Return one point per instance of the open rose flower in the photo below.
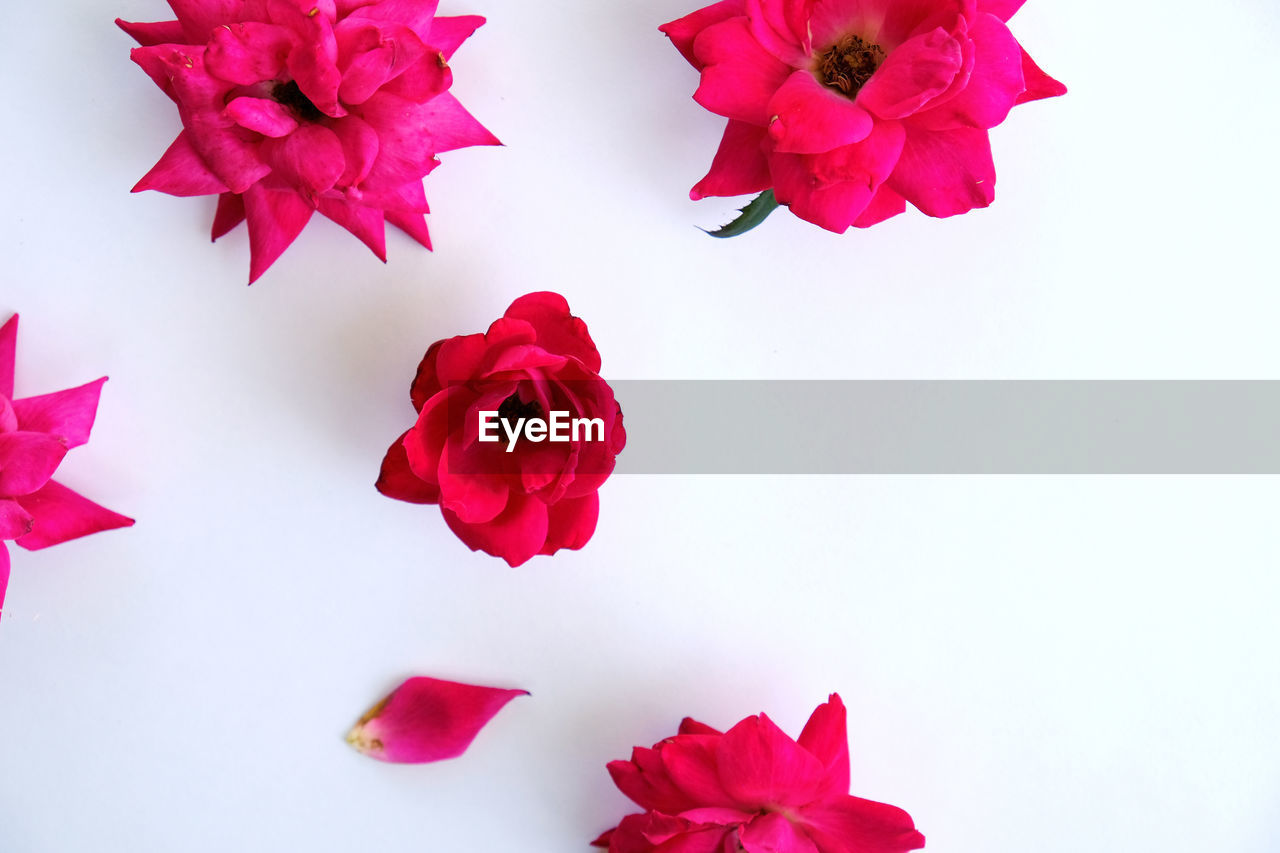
(845, 110)
(524, 493)
(753, 789)
(35, 435)
(290, 107)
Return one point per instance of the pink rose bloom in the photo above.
(848, 109)
(290, 107)
(753, 789)
(35, 434)
(533, 496)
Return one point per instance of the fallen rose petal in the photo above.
(427, 719)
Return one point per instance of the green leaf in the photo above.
(749, 217)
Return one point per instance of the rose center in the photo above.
(289, 95)
(513, 409)
(848, 64)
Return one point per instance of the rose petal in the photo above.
(690, 726)
(945, 174)
(199, 17)
(853, 825)
(417, 15)
(411, 134)
(262, 115)
(14, 520)
(426, 719)
(684, 31)
(740, 165)
(739, 77)
(413, 224)
(571, 523)
(8, 349)
(826, 738)
(181, 172)
(366, 223)
(692, 766)
(4, 574)
(1002, 9)
(913, 74)
(885, 204)
(276, 218)
(61, 515)
(68, 414)
(516, 535)
(994, 85)
(760, 766)
(229, 214)
(249, 52)
(773, 833)
(448, 34)
(1039, 85)
(28, 460)
(310, 159)
(645, 780)
(397, 480)
(558, 331)
(160, 32)
(8, 418)
(809, 118)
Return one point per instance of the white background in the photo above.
(1030, 664)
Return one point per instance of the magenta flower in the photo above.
(752, 789)
(35, 434)
(845, 110)
(290, 107)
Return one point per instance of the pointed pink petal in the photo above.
(558, 331)
(276, 218)
(1039, 85)
(945, 174)
(690, 763)
(28, 460)
(359, 148)
(229, 214)
(739, 167)
(1002, 9)
(739, 77)
(314, 67)
(690, 726)
(826, 738)
(994, 85)
(516, 535)
(773, 833)
(199, 17)
(8, 418)
(853, 825)
(249, 53)
(684, 31)
(415, 14)
(571, 522)
(262, 115)
(14, 520)
(4, 574)
(885, 204)
(61, 515)
(448, 34)
(426, 719)
(151, 62)
(8, 350)
(68, 414)
(397, 480)
(425, 79)
(809, 118)
(411, 134)
(181, 172)
(914, 74)
(413, 224)
(644, 779)
(366, 223)
(759, 765)
(161, 32)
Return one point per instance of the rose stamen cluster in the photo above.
(848, 64)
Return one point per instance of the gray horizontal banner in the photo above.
(950, 427)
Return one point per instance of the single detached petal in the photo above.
(740, 165)
(761, 766)
(739, 77)
(826, 738)
(160, 32)
(773, 833)
(809, 118)
(276, 218)
(28, 460)
(426, 719)
(448, 34)
(945, 174)
(397, 480)
(8, 349)
(854, 825)
(181, 172)
(61, 515)
(684, 31)
(14, 520)
(68, 414)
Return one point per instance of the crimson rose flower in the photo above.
(290, 107)
(35, 435)
(753, 789)
(512, 498)
(847, 109)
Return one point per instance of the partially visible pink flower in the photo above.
(849, 109)
(35, 434)
(427, 719)
(292, 107)
(753, 789)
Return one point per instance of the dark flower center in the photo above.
(848, 64)
(291, 96)
(512, 410)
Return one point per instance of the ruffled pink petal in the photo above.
(448, 34)
(68, 414)
(422, 81)
(14, 520)
(761, 766)
(644, 779)
(773, 833)
(426, 719)
(914, 74)
(371, 54)
(262, 115)
(994, 85)
(310, 159)
(28, 460)
(181, 172)
(1002, 9)
(809, 118)
(853, 825)
(684, 31)
(417, 15)
(8, 349)
(885, 204)
(411, 134)
(397, 480)
(366, 223)
(248, 53)
(62, 515)
(740, 165)
(826, 738)
(199, 17)
(229, 214)
(691, 764)
(313, 65)
(160, 32)
(558, 331)
(739, 77)
(571, 522)
(783, 28)
(276, 218)
(945, 174)
(1039, 85)
(516, 535)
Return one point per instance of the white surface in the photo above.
(1030, 664)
